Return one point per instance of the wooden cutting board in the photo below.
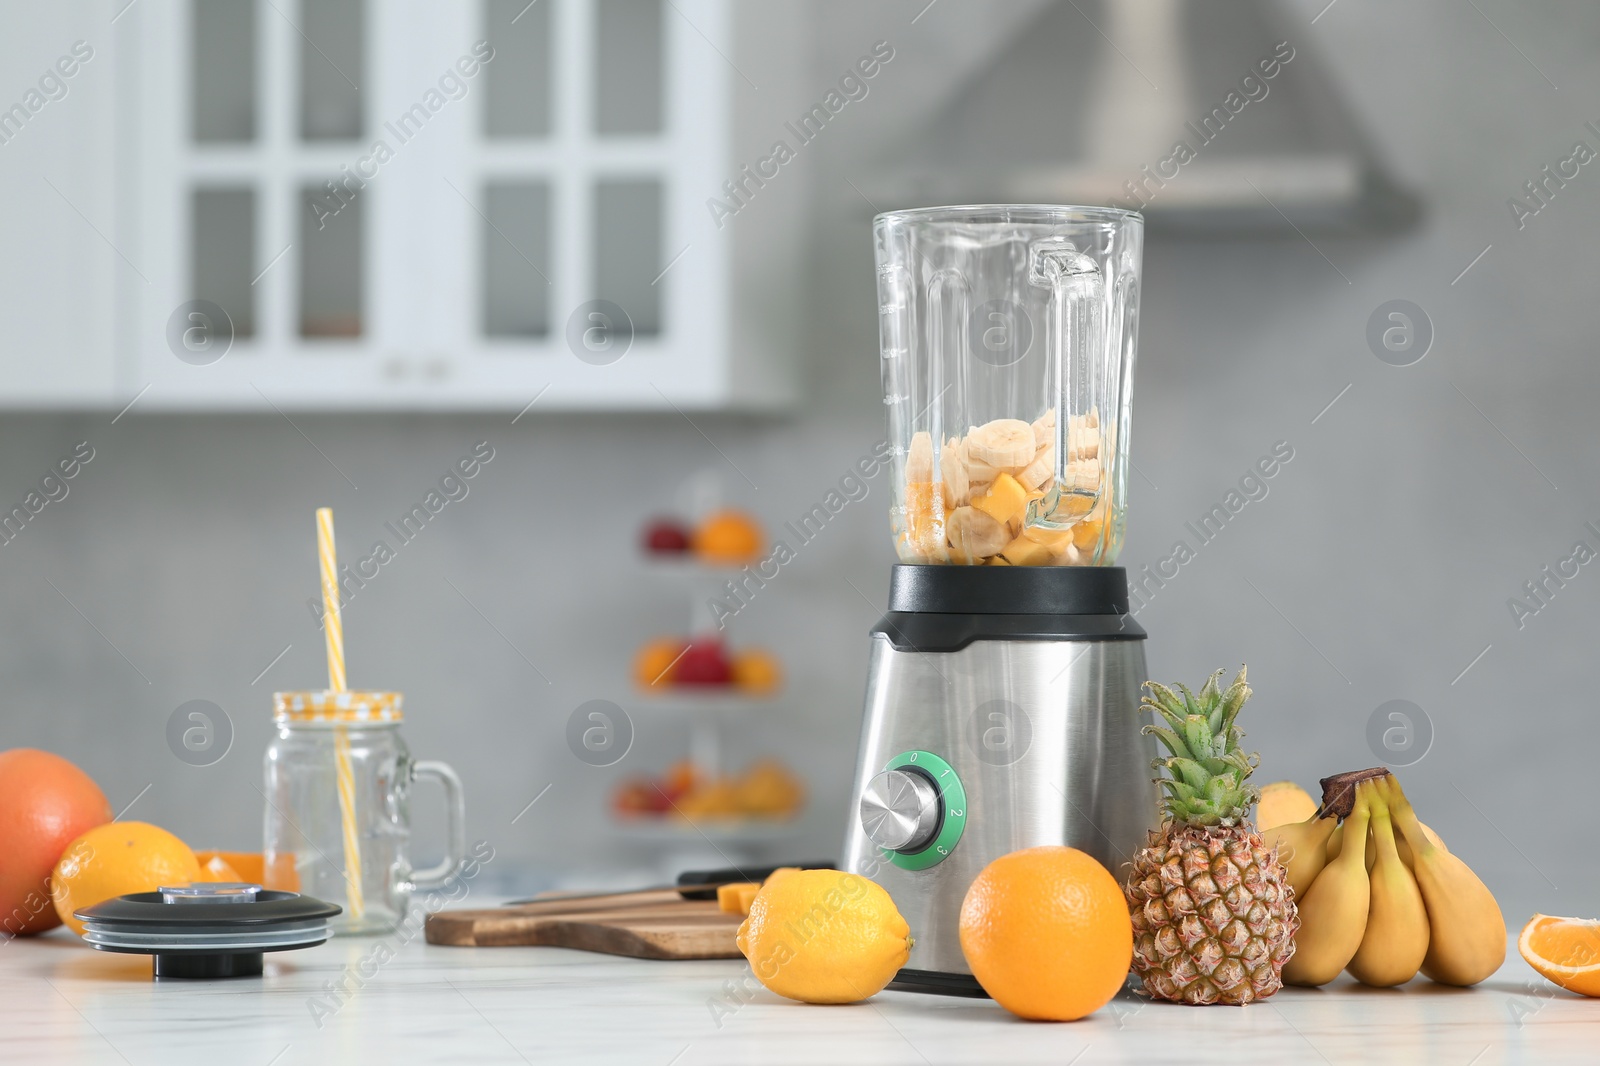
(657, 924)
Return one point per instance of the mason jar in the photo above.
(338, 807)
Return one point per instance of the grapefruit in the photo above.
(45, 803)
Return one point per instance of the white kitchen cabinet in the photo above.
(496, 167)
(58, 231)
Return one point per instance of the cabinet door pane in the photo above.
(516, 260)
(331, 69)
(223, 254)
(628, 67)
(331, 261)
(518, 103)
(627, 249)
(223, 68)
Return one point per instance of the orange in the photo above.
(757, 672)
(217, 868)
(1565, 950)
(279, 872)
(681, 778)
(728, 537)
(247, 864)
(45, 802)
(1047, 934)
(115, 859)
(655, 663)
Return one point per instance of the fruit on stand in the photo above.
(1282, 802)
(654, 664)
(727, 537)
(1564, 950)
(644, 795)
(1396, 937)
(669, 662)
(704, 663)
(1333, 912)
(666, 536)
(45, 803)
(1046, 933)
(766, 790)
(824, 936)
(1213, 915)
(115, 859)
(1467, 933)
(756, 672)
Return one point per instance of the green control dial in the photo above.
(953, 813)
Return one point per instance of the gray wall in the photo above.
(1377, 568)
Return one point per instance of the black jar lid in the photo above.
(141, 909)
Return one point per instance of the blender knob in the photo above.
(900, 810)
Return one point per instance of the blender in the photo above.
(1003, 685)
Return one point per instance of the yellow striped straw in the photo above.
(334, 629)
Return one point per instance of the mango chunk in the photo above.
(1086, 534)
(735, 899)
(1005, 502)
(1054, 539)
(1024, 551)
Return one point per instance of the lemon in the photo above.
(824, 936)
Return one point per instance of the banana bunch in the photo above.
(1380, 896)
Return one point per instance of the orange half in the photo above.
(1564, 950)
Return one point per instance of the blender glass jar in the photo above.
(1008, 335)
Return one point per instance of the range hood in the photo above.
(1210, 116)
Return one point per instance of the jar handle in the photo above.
(436, 877)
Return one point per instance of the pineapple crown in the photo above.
(1206, 769)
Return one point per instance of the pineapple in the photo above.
(1213, 915)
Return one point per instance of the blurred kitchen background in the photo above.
(184, 159)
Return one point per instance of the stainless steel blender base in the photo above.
(1044, 739)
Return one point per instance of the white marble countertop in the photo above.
(64, 1003)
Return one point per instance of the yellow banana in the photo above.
(1396, 938)
(1333, 914)
(1302, 849)
(1336, 845)
(1467, 931)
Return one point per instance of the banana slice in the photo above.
(953, 469)
(1005, 443)
(974, 535)
(1084, 475)
(1044, 429)
(1085, 431)
(980, 475)
(1042, 469)
(919, 457)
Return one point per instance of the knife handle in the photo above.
(690, 878)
